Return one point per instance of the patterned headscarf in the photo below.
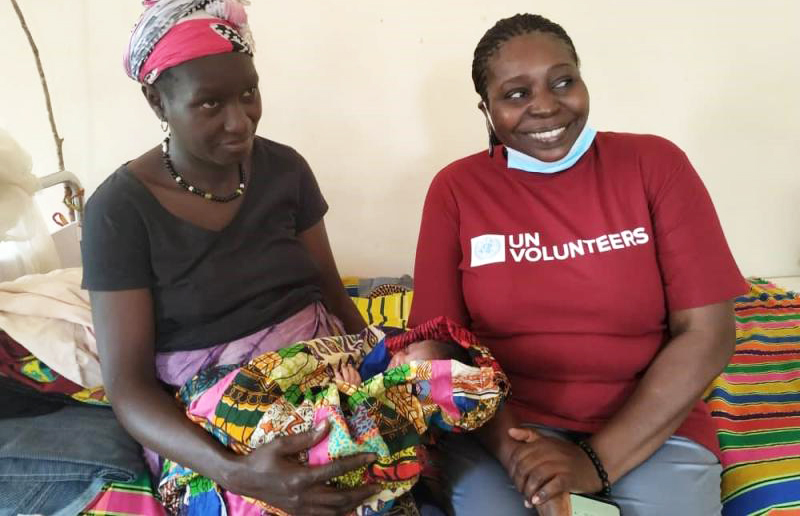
(171, 32)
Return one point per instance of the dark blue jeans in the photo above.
(55, 464)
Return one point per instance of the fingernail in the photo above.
(535, 500)
(528, 505)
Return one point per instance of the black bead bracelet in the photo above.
(601, 472)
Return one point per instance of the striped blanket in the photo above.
(756, 406)
(135, 498)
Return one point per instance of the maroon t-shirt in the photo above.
(569, 277)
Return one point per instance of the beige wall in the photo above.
(377, 95)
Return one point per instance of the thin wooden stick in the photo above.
(68, 194)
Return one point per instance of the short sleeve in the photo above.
(312, 206)
(437, 277)
(696, 263)
(115, 246)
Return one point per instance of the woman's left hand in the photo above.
(542, 467)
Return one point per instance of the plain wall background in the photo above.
(377, 95)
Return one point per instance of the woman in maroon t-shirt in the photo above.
(573, 255)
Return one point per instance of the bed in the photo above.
(755, 402)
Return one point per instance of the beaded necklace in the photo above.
(193, 189)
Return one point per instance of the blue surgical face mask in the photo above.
(522, 161)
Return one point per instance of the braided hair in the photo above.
(503, 31)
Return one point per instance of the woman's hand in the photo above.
(273, 474)
(543, 467)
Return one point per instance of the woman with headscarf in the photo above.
(208, 249)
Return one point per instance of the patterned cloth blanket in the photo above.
(755, 403)
(288, 391)
(136, 497)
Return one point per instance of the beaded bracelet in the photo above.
(601, 472)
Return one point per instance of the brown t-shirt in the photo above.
(209, 287)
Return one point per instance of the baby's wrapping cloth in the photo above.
(288, 391)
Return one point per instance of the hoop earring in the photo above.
(164, 126)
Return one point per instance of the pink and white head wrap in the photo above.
(171, 32)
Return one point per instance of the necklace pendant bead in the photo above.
(191, 189)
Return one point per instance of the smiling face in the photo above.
(213, 107)
(536, 98)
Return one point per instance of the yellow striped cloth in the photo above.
(388, 311)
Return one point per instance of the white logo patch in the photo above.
(488, 249)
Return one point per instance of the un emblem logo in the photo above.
(488, 249)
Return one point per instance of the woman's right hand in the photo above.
(273, 474)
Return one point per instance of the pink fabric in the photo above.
(761, 454)
(787, 376)
(206, 405)
(226, 20)
(442, 387)
(763, 324)
(318, 454)
(188, 40)
(176, 367)
(114, 500)
(237, 505)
